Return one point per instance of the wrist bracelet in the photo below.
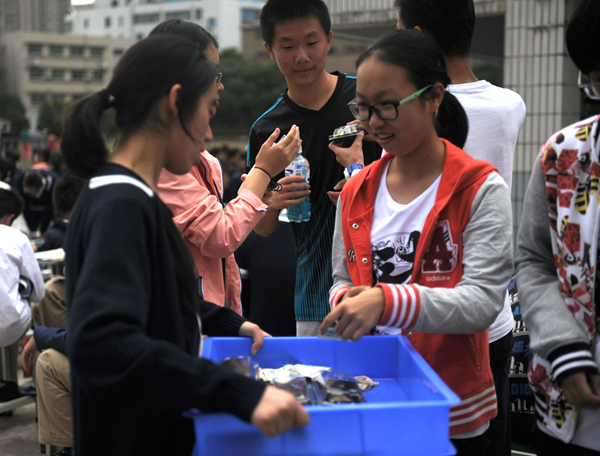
(264, 171)
(273, 186)
(352, 169)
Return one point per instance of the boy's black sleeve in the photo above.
(252, 149)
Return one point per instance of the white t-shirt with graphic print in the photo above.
(395, 232)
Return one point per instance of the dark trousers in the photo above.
(499, 431)
(476, 446)
(548, 446)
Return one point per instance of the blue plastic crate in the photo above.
(407, 414)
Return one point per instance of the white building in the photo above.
(36, 66)
(131, 19)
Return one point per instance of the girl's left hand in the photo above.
(251, 330)
(356, 315)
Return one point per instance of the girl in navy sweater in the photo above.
(134, 314)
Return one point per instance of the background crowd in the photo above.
(410, 233)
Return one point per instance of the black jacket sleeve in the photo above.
(55, 338)
(220, 321)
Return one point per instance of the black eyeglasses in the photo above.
(219, 77)
(590, 85)
(386, 110)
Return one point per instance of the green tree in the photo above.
(251, 87)
(51, 115)
(12, 109)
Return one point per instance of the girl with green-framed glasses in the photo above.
(422, 243)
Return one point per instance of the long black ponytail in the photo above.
(422, 59)
(145, 73)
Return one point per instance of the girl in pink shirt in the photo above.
(211, 230)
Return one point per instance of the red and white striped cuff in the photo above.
(402, 305)
(337, 296)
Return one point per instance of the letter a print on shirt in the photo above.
(442, 254)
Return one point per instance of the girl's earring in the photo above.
(435, 113)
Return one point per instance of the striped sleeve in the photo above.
(336, 296)
(571, 359)
(402, 305)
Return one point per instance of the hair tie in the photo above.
(273, 186)
(107, 99)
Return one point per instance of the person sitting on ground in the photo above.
(53, 386)
(65, 193)
(20, 278)
(35, 187)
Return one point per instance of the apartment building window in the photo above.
(184, 15)
(114, 3)
(146, 18)
(77, 75)
(37, 98)
(212, 22)
(98, 75)
(86, 23)
(56, 51)
(76, 51)
(97, 52)
(59, 96)
(199, 14)
(58, 74)
(35, 49)
(118, 51)
(36, 74)
(250, 15)
(139, 36)
(107, 22)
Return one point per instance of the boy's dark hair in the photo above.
(10, 202)
(449, 22)
(583, 36)
(56, 162)
(277, 11)
(65, 193)
(144, 75)
(33, 179)
(423, 62)
(188, 30)
(43, 153)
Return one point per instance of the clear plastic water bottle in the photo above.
(299, 167)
